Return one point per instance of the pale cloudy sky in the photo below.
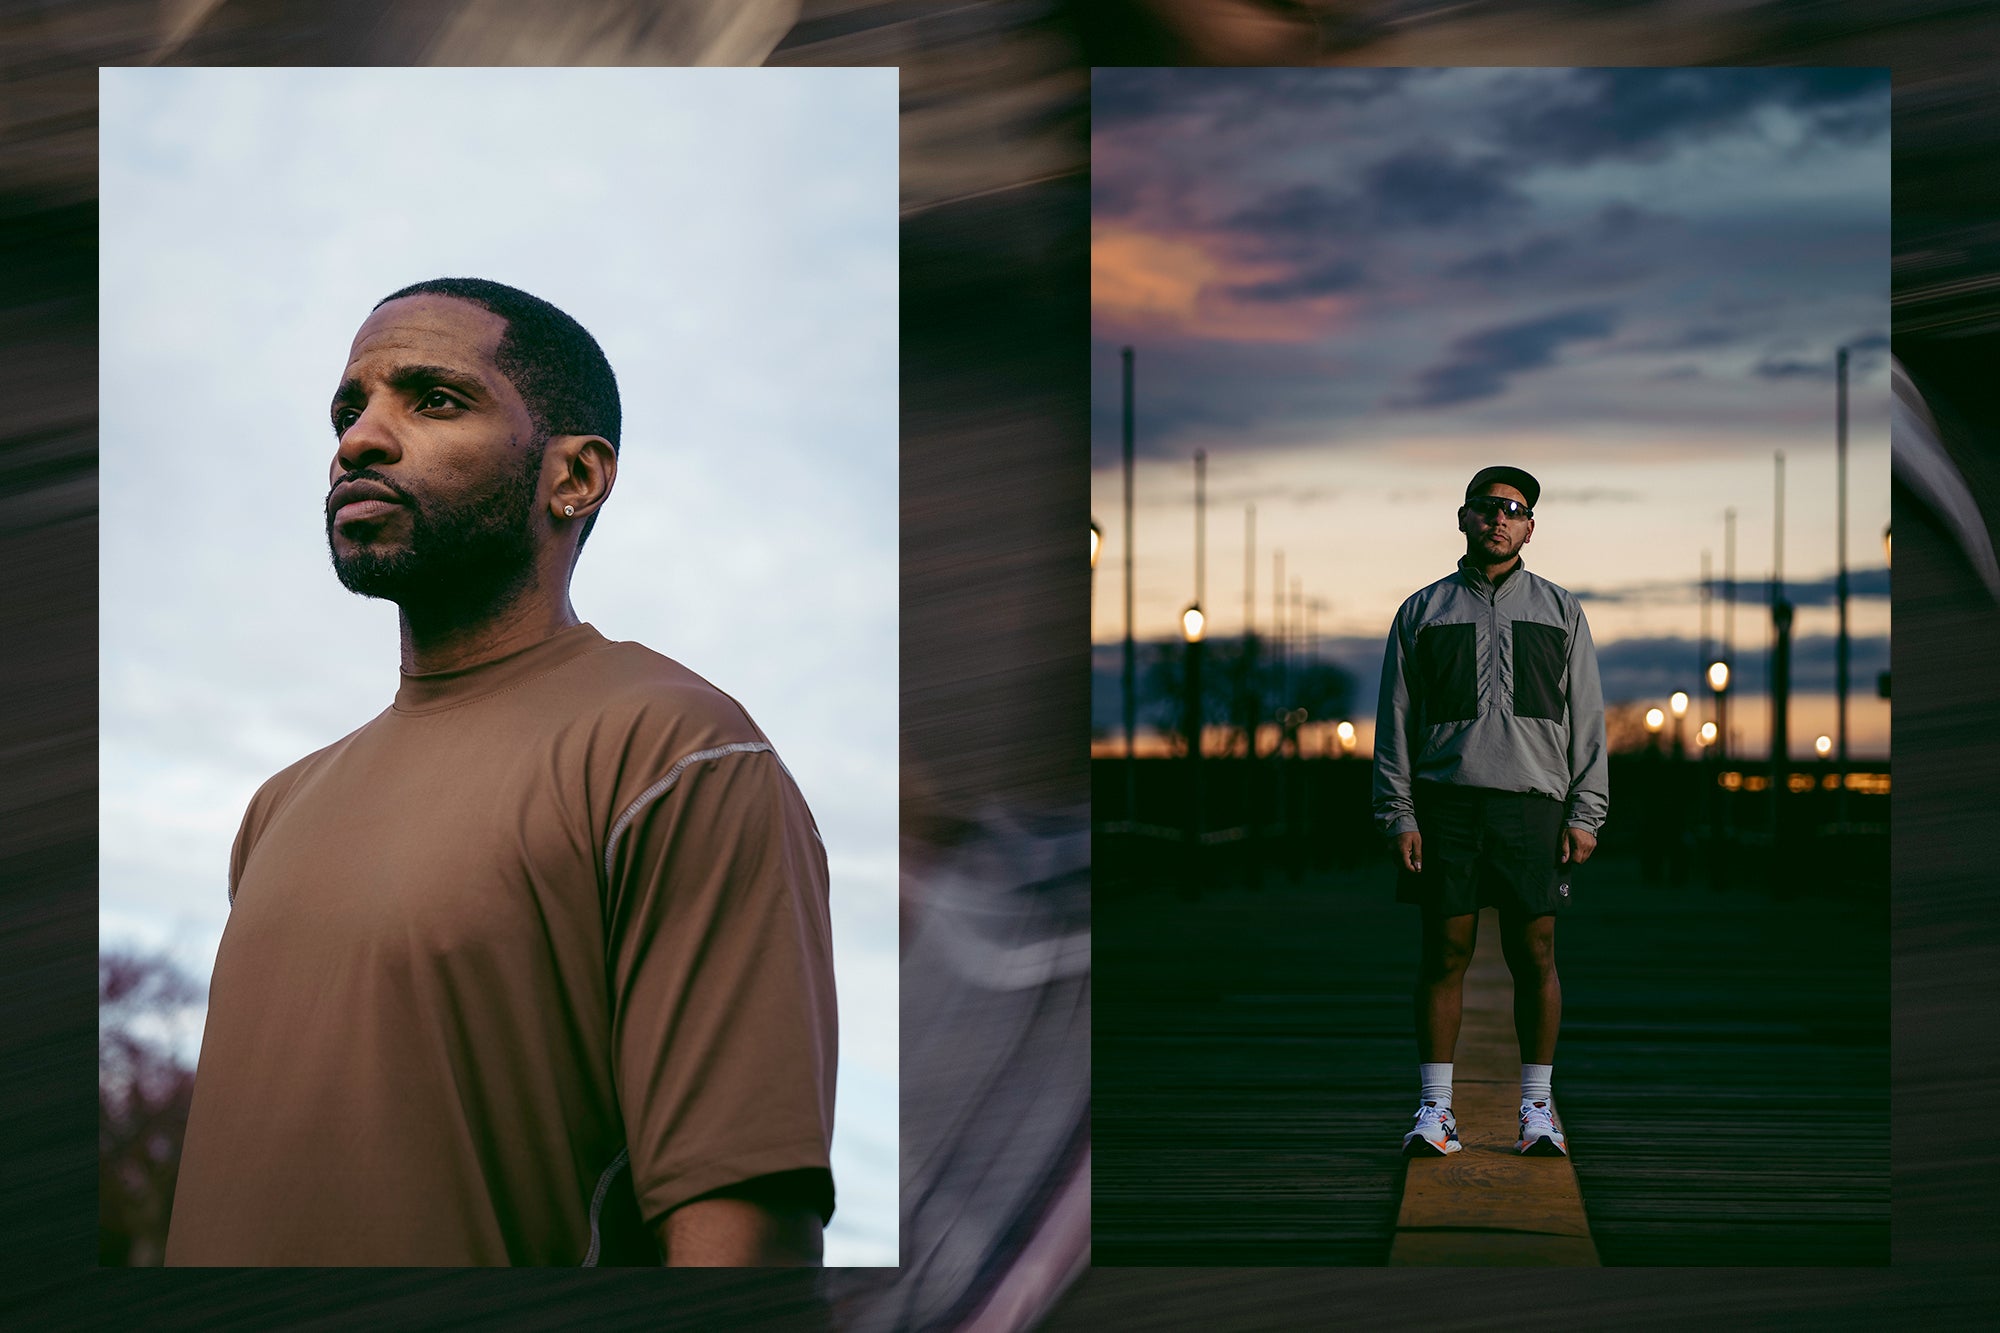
(1355, 287)
(730, 238)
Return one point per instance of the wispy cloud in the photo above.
(1481, 364)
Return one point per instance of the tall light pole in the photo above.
(1781, 654)
(1707, 596)
(1298, 620)
(1131, 693)
(1728, 605)
(1201, 527)
(1678, 706)
(1246, 694)
(1194, 620)
(1718, 681)
(1722, 821)
(1840, 586)
(1281, 661)
(1278, 622)
(1193, 626)
(1249, 571)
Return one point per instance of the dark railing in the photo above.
(1688, 822)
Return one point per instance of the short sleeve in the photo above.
(239, 851)
(721, 973)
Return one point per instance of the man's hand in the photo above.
(1577, 846)
(1409, 851)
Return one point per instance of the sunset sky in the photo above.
(1353, 288)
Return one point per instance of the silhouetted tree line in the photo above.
(1242, 687)
(143, 1092)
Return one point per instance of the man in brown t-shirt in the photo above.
(535, 967)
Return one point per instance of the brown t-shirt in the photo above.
(533, 958)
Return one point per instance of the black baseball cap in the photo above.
(1530, 489)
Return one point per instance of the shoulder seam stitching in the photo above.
(660, 788)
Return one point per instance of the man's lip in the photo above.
(364, 511)
(362, 499)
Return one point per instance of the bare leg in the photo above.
(1440, 991)
(1529, 944)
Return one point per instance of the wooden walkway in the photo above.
(1485, 1204)
(1722, 1073)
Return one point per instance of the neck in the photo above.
(1494, 570)
(449, 634)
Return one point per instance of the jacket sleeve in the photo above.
(1589, 771)
(1395, 810)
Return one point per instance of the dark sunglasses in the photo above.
(1492, 506)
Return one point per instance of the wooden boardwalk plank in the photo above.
(1486, 1204)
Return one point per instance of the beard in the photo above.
(463, 556)
(1485, 550)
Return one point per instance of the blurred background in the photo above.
(995, 488)
(729, 239)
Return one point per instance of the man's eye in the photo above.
(435, 399)
(344, 418)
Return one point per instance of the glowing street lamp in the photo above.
(1096, 546)
(1823, 745)
(1346, 733)
(1192, 623)
(1707, 734)
(1718, 680)
(1678, 705)
(1655, 719)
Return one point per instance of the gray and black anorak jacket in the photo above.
(1491, 687)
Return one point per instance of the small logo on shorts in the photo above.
(1563, 888)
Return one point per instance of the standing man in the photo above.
(1490, 782)
(535, 967)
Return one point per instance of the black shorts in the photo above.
(1486, 848)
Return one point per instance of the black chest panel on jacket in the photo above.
(1540, 652)
(1447, 676)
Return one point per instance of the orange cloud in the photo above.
(1185, 285)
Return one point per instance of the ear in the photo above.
(584, 469)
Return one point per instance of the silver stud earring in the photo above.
(569, 511)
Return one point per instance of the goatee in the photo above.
(470, 554)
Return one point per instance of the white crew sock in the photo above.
(1535, 1083)
(1436, 1081)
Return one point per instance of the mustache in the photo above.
(366, 474)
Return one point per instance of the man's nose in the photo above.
(369, 440)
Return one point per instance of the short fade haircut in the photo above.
(552, 361)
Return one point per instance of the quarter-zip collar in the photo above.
(1476, 579)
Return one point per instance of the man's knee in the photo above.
(1531, 948)
(1445, 955)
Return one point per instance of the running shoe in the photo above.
(1541, 1136)
(1435, 1135)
